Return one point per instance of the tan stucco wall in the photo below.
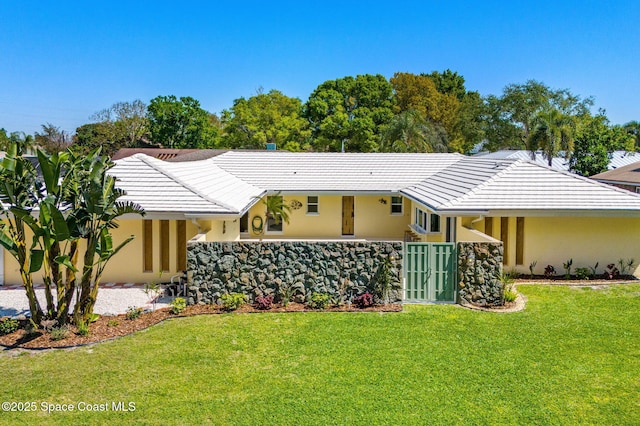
(372, 219)
(127, 265)
(586, 240)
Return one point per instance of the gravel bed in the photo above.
(111, 301)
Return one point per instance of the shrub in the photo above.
(264, 303)
(364, 300)
(318, 301)
(83, 328)
(59, 333)
(583, 273)
(8, 325)
(133, 313)
(611, 272)
(594, 270)
(626, 266)
(178, 305)
(113, 323)
(532, 266)
(232, 301)
(549, 271)
(567, 268)
(510, 294)
(384, 282)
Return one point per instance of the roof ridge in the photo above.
(150, 162)
(476, 188)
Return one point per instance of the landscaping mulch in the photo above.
(111, 327)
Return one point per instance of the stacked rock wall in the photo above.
(342, 269)
(479, 268)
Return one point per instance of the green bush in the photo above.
(583, 273)
(59, 333)
(83, 328)
(113, 323)
(178, 305)
(233, 301)
(133, 313)
(510, 294)
(8, 325)
(319, 301)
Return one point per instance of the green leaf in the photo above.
(37, 257)
(66, 261)
(7, 242)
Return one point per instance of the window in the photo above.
(244, 223)
(427, 222)
(312, 205)
(396, 205)
(274, 224)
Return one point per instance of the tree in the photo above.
(266, 118)
(52, 139)
(180, 123)
(349, 113)
(94, 135)
(409, 132)
(552, 132)
(633, 129)
(592, 147)
(77, 205)
(21, 138)
(509, 118)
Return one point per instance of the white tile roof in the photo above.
(229, 183)
(618, 158)
(195, 187)
(332, 172)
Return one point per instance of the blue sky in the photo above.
(63, 61)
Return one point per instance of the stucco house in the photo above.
(540, 214)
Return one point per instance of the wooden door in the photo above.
(347, 215)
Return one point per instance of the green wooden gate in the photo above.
(430, 272)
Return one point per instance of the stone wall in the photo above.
(479, 268)
(342, 269)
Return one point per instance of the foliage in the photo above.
(233, 301)
(77, 205)
(383, 282)
(8, 325)
(113, 323)
(264, 302)
(510, 120)
(133, 313)
(552, 132)
(59, 332)
(287, 290)
(83, 328)
(52, 139)
(180, 123)
(276, 208)
(123, 125)
(266, 118)
(567, 268)
(632, 128)
(509, 294)
(349, 113)
(594, 269)
(626, 266)
(319, 301)
(611, 272)
(153, 292)
(549, 271)
(410, 132)
(532, 266)
(19, 138)
(178, 305)
(365, 300)
(583, 273)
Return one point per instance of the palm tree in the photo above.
(276, 208)
(552, 132)
(410, 132)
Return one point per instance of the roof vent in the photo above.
(271, 147)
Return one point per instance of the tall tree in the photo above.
(552, 132)
(52, 139)
(509, 118)
(266, 118)
(180, 123)
(633, 128)
(21, 138)
(593, 145)
(350, 113)
(409, 132)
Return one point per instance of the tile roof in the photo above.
(332, 172)
(228, 183)
(618, 158)
(190, 188)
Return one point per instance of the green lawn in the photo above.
(572, 357)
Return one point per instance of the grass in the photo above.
(572, 357)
